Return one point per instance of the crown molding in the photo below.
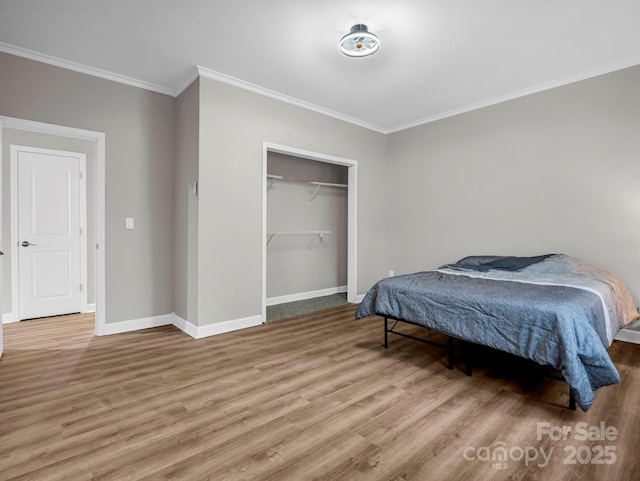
(213, 75)
(94, 72)
(194, 74)
(519, 93)
(175, 92)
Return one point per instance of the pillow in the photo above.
(504, 263)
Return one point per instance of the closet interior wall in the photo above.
(306, 228)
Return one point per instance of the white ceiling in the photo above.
(438, 57)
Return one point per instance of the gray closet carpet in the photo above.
(289, 310)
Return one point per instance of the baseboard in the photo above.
(89, 308)
(228, 326)
(359, 298)
(198, 332)
(628, 335)
(137, 324)
(9, 317)
(303, 296)
(185, 326)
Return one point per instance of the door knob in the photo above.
(27, 244)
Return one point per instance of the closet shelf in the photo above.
(319, 233)
(324, 184)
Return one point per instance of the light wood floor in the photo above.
(310, 398)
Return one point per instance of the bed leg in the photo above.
(386, 335)
(469, 359)
(572, 400)
(450, 349)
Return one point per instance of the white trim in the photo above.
(84, 279)
(352, 234)
(44, 128)
(85, 69)
(628, 335)
(89, 308)
(100, 233)
(13, 235)
(175, 92)
(303, 296)
(352, 214)
(227, 326)
(185, 326)
(14, 149)
(359, 298)
(198, 332)
(137, 324)
(100, 201)
(265, 189)
(213, 75)
(195, 73)
(515, 95)
(9, 317)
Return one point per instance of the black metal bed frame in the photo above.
(450, 350)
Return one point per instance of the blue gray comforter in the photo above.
(539, 312)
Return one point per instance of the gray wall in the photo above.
(557, 171)
(35, 139)
(298, 264)
(186, 204)
(139, 129)
(552, 172)
(234, 123)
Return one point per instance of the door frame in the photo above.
(14, 249)
(352, 214)
(98, 139)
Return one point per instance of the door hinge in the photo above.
(80, 287)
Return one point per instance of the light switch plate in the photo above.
(129, 223)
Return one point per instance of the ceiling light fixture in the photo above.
(359, 42)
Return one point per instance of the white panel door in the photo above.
(48, 233)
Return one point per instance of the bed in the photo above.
(553, 309)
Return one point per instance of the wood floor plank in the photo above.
(317, 397)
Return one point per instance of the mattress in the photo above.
(555, 310)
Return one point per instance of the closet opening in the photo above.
(309, 220)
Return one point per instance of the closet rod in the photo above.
(320, 233)
(323, 184)
(329, 184)
(272, 179)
